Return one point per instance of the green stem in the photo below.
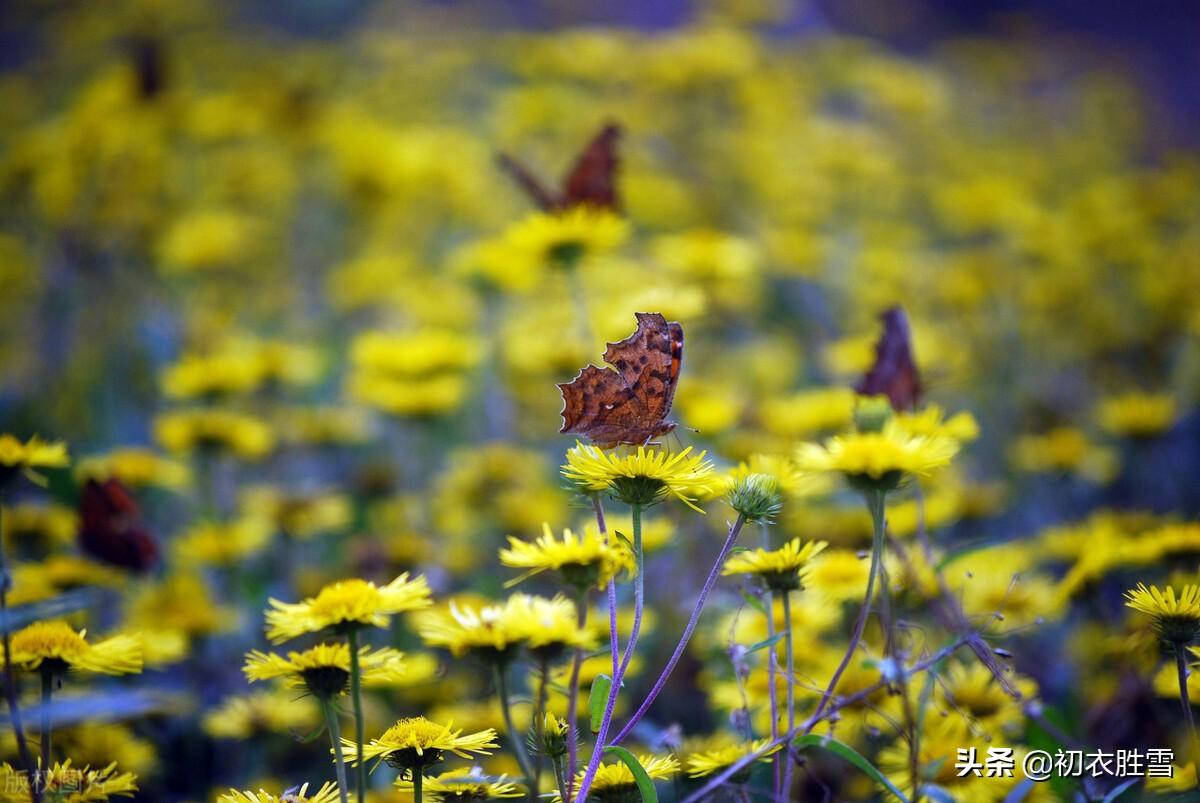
(1181, 669)
(10, 675)
(513, 736)
(539, 717)
(356, 693)
(418, 782)
(772, 673)
(335, 738)
(47, 691)
(788, 764)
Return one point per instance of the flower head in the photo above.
(56, 646)
(346, 604)
(69, 784)
(551, 239)
(34, 453)
(328, 793)
(707, 762)
(614, 782)
(878, 459)
(324, 670)
(414, 743)
(582, 560)
(756, 497)
(781, 569)
(456, 785)
(1176, 617)
(187, 430)
(642, 478)
(495, 632)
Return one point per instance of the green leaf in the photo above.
(598, 700)
(1112, 796)
(848, 753)
(765, 643)
(755, 603)
(624, 540)
(644, 784)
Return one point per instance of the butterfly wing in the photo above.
(592, 179)
(649, 361)
(526, 180)
(894, 373)
(599, 404)
(109, 530)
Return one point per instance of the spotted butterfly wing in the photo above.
(894, 373)
(629, 404)
(110, 528)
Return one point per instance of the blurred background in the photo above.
(258, 261)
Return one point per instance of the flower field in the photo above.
(434, 402)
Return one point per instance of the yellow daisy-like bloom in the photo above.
(707, 762)
(494, 631)
(223, 543)
(328, 793)
(34, 453)
(248, 716)
(563, 238)
(325, 669)
(931, 422)
(1176, 617)
(346, 604)
(56, 645)
(839, 574)
(459, 785)
(782, 569)
(613, 780)
(415, 742)
(186, 430)
(645, 477)
(582, 560)
(1137, 415)
(137, 468)
(1183, 779)
(38, 528)
(67, 784)
(878, 458)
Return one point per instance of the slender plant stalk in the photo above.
(418, 784)
(10, 676)
(573, 704)
(539, 717)
(875, 501)
(356, 694)
(639, 590)
(1181, 669)
(772, 674)
(47, 692)
(687, 632)
(335, 739)
(513, 736)
(788, 763)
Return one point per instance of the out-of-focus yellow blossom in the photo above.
(322, 426)
(1000, 591)
(930, 422)
(101, 744)
(206, 239)
(494, 631)
(259, 713)
(136, 467)
(558, 239)
(456, 785)
(1137, 415)
(69, 784)
(325, 668)
(58, 646)
(971, 691)
(657, 531)
(38, 528)
(415, 353)
(581, 560)
(496, 487)
(726, 265)
(346, 604)
(57, 574)
(684, 475)
(839, 574)
(298, 515)
(1064, 449)
(186, 431)
(17, 455)
(721, 753)
(327, 793)
(224, 543)
(180, 602)
(228, 372)
(1183, 778)
(808, 412)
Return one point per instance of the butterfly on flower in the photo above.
(110, 527)
(631, 403)
(591, 181)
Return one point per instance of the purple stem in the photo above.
(687, 633)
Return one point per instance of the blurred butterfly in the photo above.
(590, 182)
(894, 373)
(110, 528)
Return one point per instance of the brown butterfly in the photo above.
(894, 373)
(630, 404)
(591, 181)
(110, 527)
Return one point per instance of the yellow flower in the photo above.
(40, 528)
(931, 422)
(878, 457)
(296, 514)
(1183, 778)
(493, 631)
(328, 793)
(205, 239)
(67, 784)
(180, 602)
(101, 743)
(346, 604)
(546, 239)
(839, 574)
(137, 468)
(459, 785)
(613, 780)
(248, 716)
(1176, 617)
(223, 543)
(1064, 449)
(782, 569)
(707, 762)
(186, 430)
(416, 742)
(644, 477)
(808, 412)
(226, 372)
(34, 453)
(582, 560)
(57, 646)
(1137, 415)
(325, 669)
